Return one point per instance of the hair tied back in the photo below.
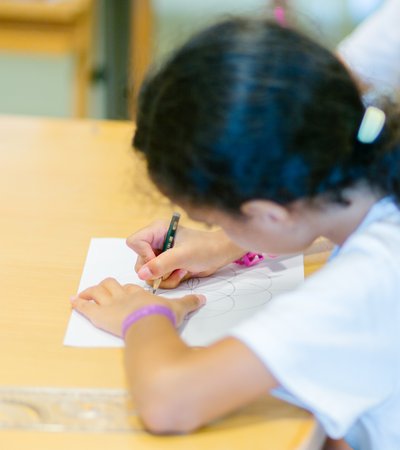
(371, 125)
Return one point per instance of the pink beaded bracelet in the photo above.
(147, 310)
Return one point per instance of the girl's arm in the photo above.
(334, 444)
(176, 388)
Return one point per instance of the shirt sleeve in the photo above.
(330, 343)
(372, 51)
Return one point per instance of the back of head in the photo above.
(249, 109)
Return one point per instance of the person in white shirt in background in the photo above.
(372, 50)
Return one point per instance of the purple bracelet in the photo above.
(147, 310)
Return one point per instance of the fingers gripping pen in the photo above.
(168, 243)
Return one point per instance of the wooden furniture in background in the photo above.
(54, 27)
(64, 181)
(141, 43)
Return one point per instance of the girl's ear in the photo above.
(265, 211)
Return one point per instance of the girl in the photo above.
(254, 127)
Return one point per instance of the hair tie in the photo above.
(371, 125)
(250, 259)
(280, 16)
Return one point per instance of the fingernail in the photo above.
(73, 298)
(202, 299)
(144, 273)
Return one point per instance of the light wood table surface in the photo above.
(63, 182)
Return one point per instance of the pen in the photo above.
(168, 243)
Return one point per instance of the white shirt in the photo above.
(372, 51)
(334, 343)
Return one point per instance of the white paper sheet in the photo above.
(233, 294)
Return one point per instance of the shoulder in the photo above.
(379, 242)
(364, 275)
(367, 268)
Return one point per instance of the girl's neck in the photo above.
(339, 222)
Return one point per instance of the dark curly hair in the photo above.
(248, 109)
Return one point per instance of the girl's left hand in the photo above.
(107, 304)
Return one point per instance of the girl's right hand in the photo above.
(195, 253)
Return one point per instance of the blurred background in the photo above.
(85, 58)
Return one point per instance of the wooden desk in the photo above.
(61, 183)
